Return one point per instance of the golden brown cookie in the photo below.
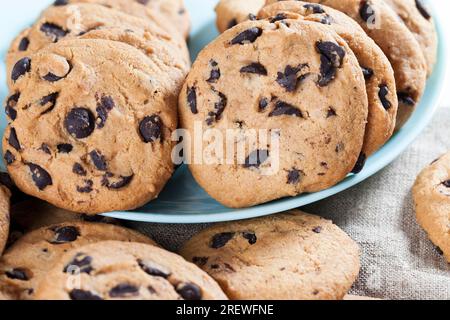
(30, 258)
(5, 196)
(293, 255)
(306, 98)
(431, 194)
(116, 270)
(380, 81)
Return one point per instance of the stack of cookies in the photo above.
(93, 102)
(328, 83)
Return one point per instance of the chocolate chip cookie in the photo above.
(383, 25)
(380, 81)
(432, 201)
(97, 22)
(296, 112)
(5, 196)
(419, 20)
(117, 270)
(286, 256)
(231, 12)
(90, 125)
(30, 258)
(170, 14)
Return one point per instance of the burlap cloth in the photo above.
(398, 261)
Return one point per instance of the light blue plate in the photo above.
(183, 201)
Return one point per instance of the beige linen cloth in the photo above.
(398, 261)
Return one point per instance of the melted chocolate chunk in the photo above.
(78, 294)
(423, 9)
(79, 170)
(153, 270)
(252, 17)
(13, 140)
(64, 234)
(80, 123)
(262, 105)
(21, 67)
(11, 104)
(285, 109)
(367, 72)
(294, 176)
(24, 44)
(45, 148)
(81, 263)
(220, 240)
(87, 188)
(360, 163)
(120, 183)
(192, 99)
(331, 58)
(289, 79)
(219, 108)
(256, 159)
(382, 94)
(151, 129)
(19, 274)
(60, 3)
(53, 31)
(278, 17)
(99, 160)
(446, 184)
(124, 290)
(254, 68)
(215, 72)
(331, 112)
(49, 100)
(366, 12)
(189, 291)
(326, 19)
(104, 106)
(247, 36)
(250, 236)
(9, 158)
(317, 230)
(64, 148)
(314, 8)
(405, 98)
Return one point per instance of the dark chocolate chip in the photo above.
(44, 147)
(60, 3)
(256, 159)
(23, 44)
(405, 98)
(221, 239)
(80, 123)
(331, 112)
(446, 183)
(192, 99)
(87, 188)
(19, 274)
(252, 17)
(99, 160)
(317, 230)
(64, 148)
(294, 176)
(215, 72)
(49, 100)
(51, 77)
(65, 234)
(200, 261)
(53, 31)
(11, 104)
(289, 79)
(366, 12)
(13, 140)
(104, 106)
(9, 158)
(439, 251)
(78, 294)
(153, 270)
(360, 163)
(233, 22)
(285, 109)
(189, 291)
(250, 236)
(247, 36)
(81, 263)
(314, 8)
(278, 17)
(219, 108)
(423, 9)
(255, 68)
(382, 94)
(120, 183)
(151, 129)
(79, 170)
(326, 19)
(367, 72)
(331, 58)
(21, 68)
(124, 290)
(262, 105)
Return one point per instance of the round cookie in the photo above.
(116, 270)
(94, 21)
(292, 255)
(419, 21)
(380, 81)
(5, 196)
(305, 98)
(382, 24)
(232, 12)
(431, 194)
(91, 122)
(30, 257)
(169, 14)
